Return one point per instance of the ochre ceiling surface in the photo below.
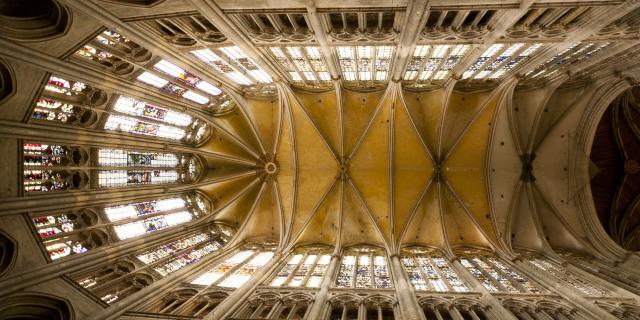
(388, 168)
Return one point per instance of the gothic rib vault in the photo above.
(377, 133)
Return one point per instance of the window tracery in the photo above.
(113, 52)
(364, 268)
(365, 64)
(431, 272)
(496, 276)
(77, 231)
(55, 167)
(434, 63)
(580, 284)
(302, 64)
(75, 103)
(132, 273)
(499, 59)
(234, 271)
(304, 269)
(233, 63)
(574, 54)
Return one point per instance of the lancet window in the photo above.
(68, 102)
(56, 167)
(236, 269)
(496, 276)
(364, 268)
(575, 53)
(433, 63)
(75, 103)
(580, 284)
(233, 63)
(303, 269)
(302, 64)
(499, 59)
(117, 280)
(365, 63)
(105, 52)
(77, 231)
(431, 272)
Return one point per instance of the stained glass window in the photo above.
(432, 273)
(135, 126)
(139, 209)
(52, 230)
(302, 270)
(573, 54)
(583, 286)
(432, 63)
(125, 178)
(133, 229)
(144, 109)
(365, 63)
(53, 110)
(213, 275)
(497, 276)
(236, 270)
(126, 158)
(507, 57)
(364, 270)
(233, 63)
(302, 63)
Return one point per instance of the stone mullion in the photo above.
(320, 34)
(514, 55)
(495, 281)
(608, 275)
(233, 269)
(90, 259)
(440, 274)
(156, 290)
(310, 271)
(498, 29)
(513, 281)
(320, 298)
(407, 300)
(488, 63)
(422, 273)
(597, 18)
(486, 297)
(293, 272)
(152, 265)
(228, 305)
(96, 77)
(599, 282)
(303, 52)
(561, 288)
(157, 48)
(222, 258)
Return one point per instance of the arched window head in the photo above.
(306, 267)
(35, 307)
(583, 286)
(237, 268)
(7, 85)
(55, 167)
(495, 274)
(428, 270)
(69, 102)
(73, 232)
(364, 267)
(7, 253)
(44, 167)
(33, 20)
(112, 52)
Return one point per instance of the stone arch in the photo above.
(8, 252)
(7, 82)
(36, 307)
(34, 20)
